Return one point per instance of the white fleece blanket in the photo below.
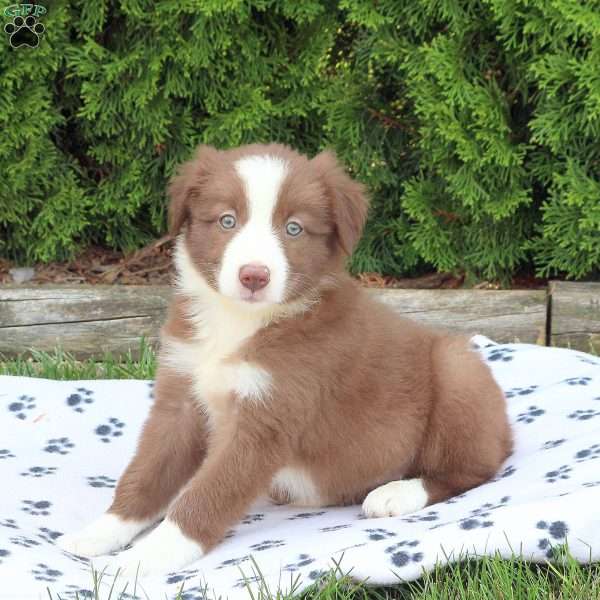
(63, 444)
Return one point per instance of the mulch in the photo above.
(153, 265)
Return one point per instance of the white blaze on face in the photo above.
(257, 242)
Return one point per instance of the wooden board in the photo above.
(84, 320)
(502, 315)
(90, 320)
(575, 315)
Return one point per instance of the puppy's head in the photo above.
(264, 225)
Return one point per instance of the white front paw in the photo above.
(396, 498)
(162, 551)
(104, 535)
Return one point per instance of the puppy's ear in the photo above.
(348, 197)
(186, 186)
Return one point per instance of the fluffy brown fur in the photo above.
(359, 396)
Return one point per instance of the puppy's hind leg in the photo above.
(468, 435)
(171, 448)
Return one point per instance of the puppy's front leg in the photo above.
(170, 450)
(232, 477)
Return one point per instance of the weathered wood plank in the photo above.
(84, 320)
(502, 315)
(89, 320)
(575, 321)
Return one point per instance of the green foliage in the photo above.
(475, 125)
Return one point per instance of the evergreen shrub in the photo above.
(475, 125)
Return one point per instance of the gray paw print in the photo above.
(23, 541)
(44, 573)
(518, 391)
(302, 561)
(590, 453)
(530, 415)
(584, 414)
(306, 515)
(39, 472)
(80, 398)
(22, 406)
(377, 533)
(552, 444)
(59, 446)
(252, 518)
(48, 535)
(109, 431)
(578, 380)
(501, 354)
(5, 453)
(561, 473)
(402, 553)
(183, 575)
(36, 508)
(267, 545)
(101, 481)
(9, 523)
(558, 531)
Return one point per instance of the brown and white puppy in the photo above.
(279, 374)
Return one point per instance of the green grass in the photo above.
(489, 578)
(62, 365)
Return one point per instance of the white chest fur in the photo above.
(220, 327)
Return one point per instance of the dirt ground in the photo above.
(153, 265)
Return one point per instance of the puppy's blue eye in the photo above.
(227, 221)
(294, 229)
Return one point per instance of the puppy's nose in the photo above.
(254, 277)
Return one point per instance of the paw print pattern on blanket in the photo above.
(557, 531)
(508, 471)
(338, 527)
(552, 444)
(36, 508)
(26, 542)
(48, 535)
(43, 572)
(80, 398)
(518, 391)
(530, 415)
(267, 545)
(306, 515)
(563, 472)
(76, 592)
(61, 445)
(584, 414)
(38, 472)
(591, 453)
(539, 501)
(194, 593)
(9, 524)
(403, 553)
(378, 533)
(252, 518)
(183, 575)
(479, 516)
(108, 431)
(578, 380)
(430, 515)
(21, 408)
(101, 481)
(302, 560)
(501, 354)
